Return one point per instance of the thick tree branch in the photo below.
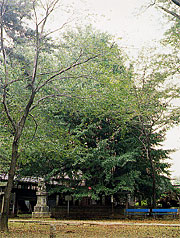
(8, 113)
(170, 12)
(27, 109)
(177, 2)
(36, 126)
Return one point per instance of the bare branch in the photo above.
(39, 75)
(42, 5)
(37, 50)
(177, 2)
(144, 8)
(58, 29)
(7, 112)
(72, 77)
(2, 7)
(2, 44)
(49, 9)
(75, 64)
(151, 4)
(44, 21)
(28, 77)
(11, 82)
(34, 9)
(54, 96)
(170, 12)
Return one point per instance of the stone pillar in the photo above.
(41, 210)
(57, 199)
(14, 203)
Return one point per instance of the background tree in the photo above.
(107, 91)
(103, 153)
(153, 105)
(111, 140)
(35, 70)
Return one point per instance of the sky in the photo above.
(137, 25)
(129, 19)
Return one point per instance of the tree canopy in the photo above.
(76, 107)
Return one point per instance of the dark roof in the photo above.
(26, 179)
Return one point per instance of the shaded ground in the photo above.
(95, 229)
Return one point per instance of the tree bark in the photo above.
(153, 179)
(7, 194)
(177, 2)
(14, 157)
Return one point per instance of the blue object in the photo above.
(139, 211)
(162, 211)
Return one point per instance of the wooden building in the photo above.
(61, 205)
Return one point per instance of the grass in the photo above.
(31, 230)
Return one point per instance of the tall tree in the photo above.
(29, 69)
(107, 93)
(102, 152)
(112, 140)
(153, 97)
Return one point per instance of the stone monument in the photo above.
(41, 210)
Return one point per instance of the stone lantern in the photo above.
(41, 210)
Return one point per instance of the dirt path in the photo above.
(104, 223)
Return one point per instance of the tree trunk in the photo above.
(154, 189)
(154, 180)
(7, 194)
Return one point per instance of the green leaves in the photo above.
(90, 114)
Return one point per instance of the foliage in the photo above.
(170, 199)
(31, 71)
(5, 140)
(101, 139)
(103, 154)
(90, 135)
(155, 113)
(107, 94)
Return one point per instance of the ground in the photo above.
(94, 229)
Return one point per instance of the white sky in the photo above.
(124, 18)
(137, 27)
